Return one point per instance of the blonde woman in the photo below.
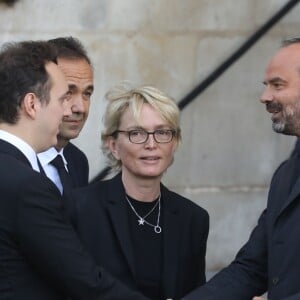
(149, 237)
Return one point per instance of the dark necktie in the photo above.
(64, 176)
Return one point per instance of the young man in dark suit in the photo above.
(40, 254)
(269, 260)
(76, 65)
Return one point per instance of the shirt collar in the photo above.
(47, 156)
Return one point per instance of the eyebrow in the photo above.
(73, 86)
(138, 127)
(274, 80)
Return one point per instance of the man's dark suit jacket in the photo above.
(102, 224)
(270, 260)
(78, 165)
(41, 257)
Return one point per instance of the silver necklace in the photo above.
(142, 221)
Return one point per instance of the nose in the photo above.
(150, 143)
(77, 105)
(267, 95)
(67, 110)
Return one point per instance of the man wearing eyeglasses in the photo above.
(149, 237)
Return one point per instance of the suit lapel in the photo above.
(68, 154)
(118, 213)
(77, 165)
(72, 172)
(171, 241)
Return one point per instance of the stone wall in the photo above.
(229, 151)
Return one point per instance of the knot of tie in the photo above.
(58, 163)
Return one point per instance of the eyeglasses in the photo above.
(140, 136)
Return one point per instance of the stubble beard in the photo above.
(290, 122)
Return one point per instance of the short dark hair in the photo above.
(22, 71)
(70, 48)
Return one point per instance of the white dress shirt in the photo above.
(25, 148)
(45, 158)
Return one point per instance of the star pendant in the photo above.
(141, 221)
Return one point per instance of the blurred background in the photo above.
(229, 151)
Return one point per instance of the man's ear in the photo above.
(30, 105)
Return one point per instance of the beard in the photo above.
(289, 122)
(278, 127)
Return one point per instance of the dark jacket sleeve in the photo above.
(52, 246)
(245, 277)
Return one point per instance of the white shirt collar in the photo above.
(25, 148)
(47, 156)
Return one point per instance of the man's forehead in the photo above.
(75, 64)
(288, 55)
(286, 60)
(77, 71)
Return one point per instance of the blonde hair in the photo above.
(122, 97)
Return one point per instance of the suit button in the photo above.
(275, 280)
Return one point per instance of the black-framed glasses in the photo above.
(140, 136)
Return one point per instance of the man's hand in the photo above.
(258, 298)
